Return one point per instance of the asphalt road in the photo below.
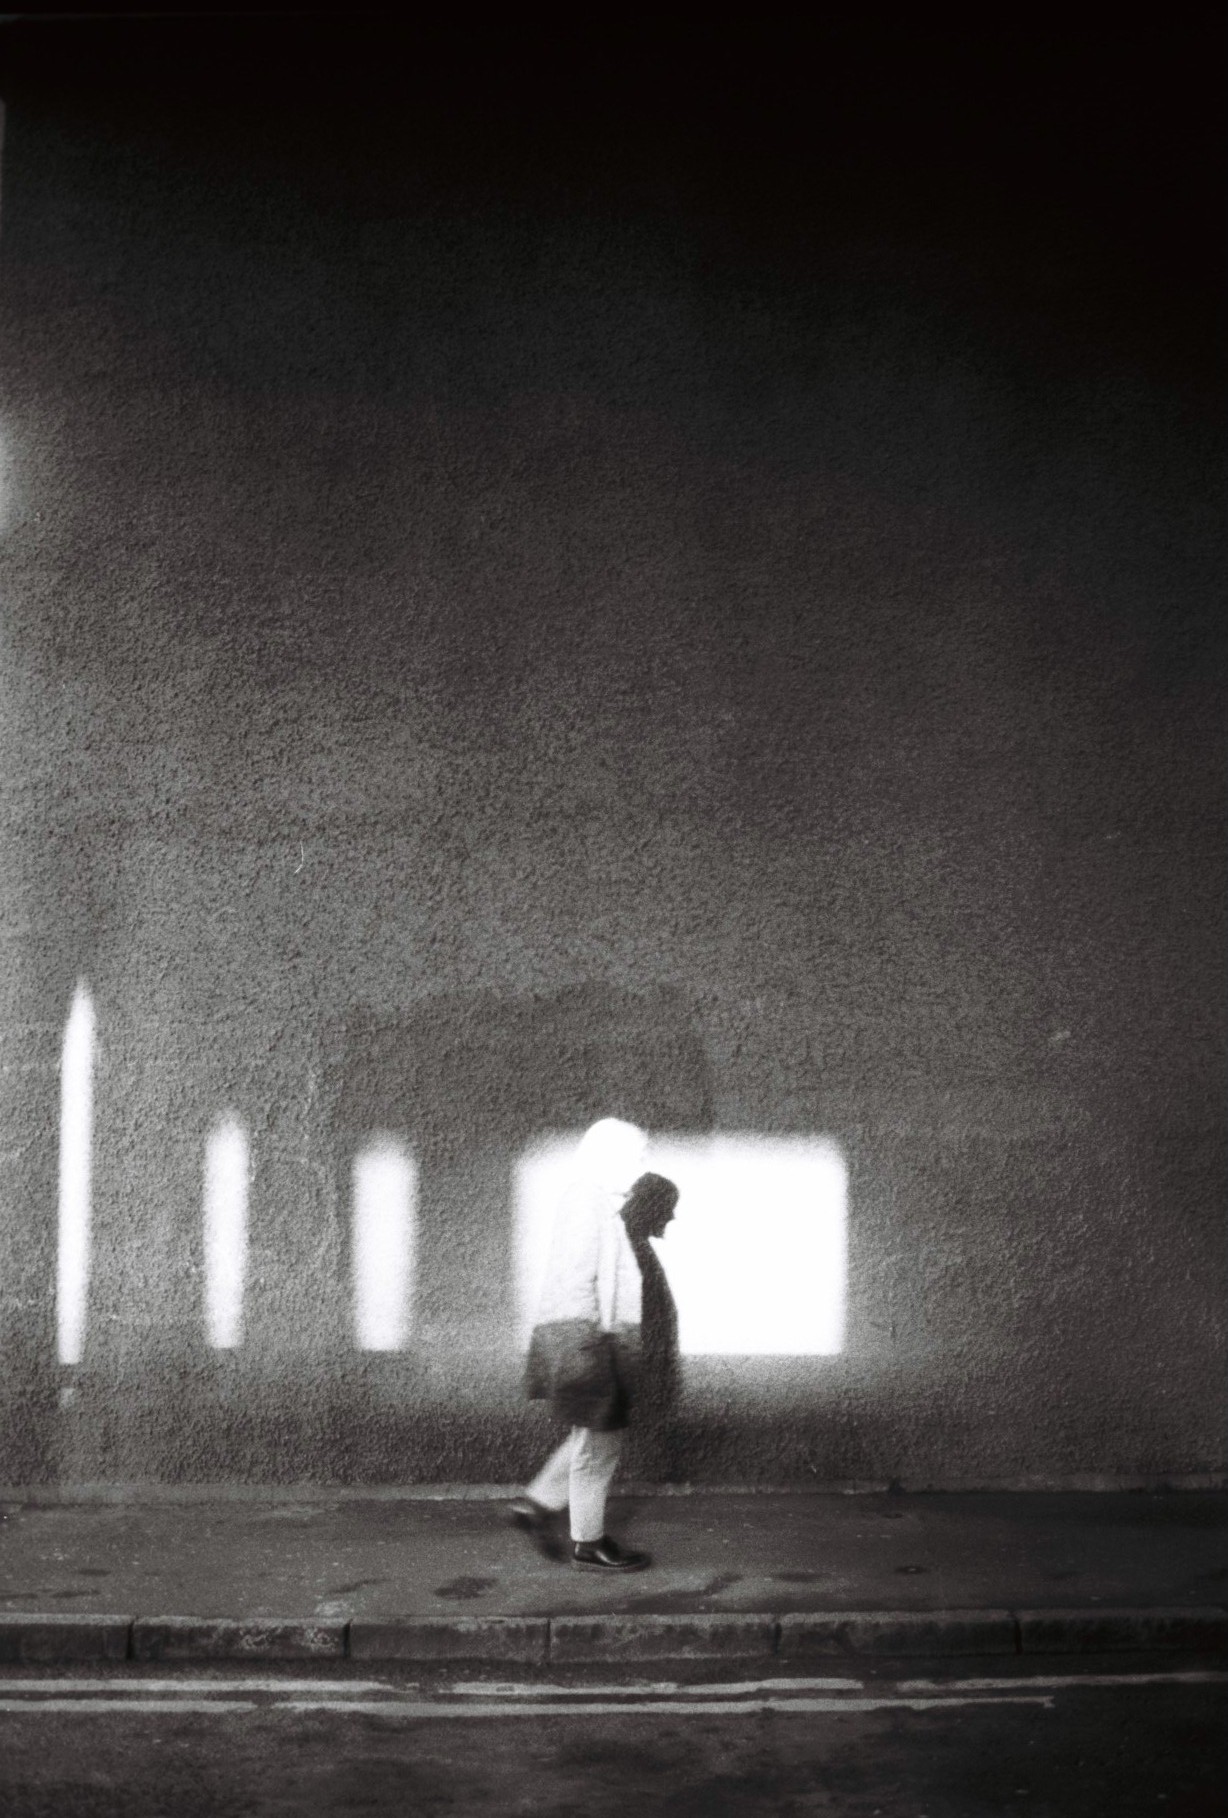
(923, 1740)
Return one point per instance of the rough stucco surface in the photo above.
(493, 637)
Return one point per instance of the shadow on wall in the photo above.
(364, 1329)
(398, 1353)
(457, 1091)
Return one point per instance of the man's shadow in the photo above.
(652, 1441)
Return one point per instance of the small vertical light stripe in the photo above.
(76, 1158)
(385, 1187)
(227, 1170)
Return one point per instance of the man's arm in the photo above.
(575, 1248)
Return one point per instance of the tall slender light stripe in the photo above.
(384, 1218)
(76, 1146)
(225, 1218)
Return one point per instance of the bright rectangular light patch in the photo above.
(385, 1189)
(225, 1221)
(756, 1255)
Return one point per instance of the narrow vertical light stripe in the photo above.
(385, 1187)
(225, 1219)
(76, 1146)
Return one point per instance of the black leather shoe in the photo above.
(540, 1524)
(605, 1555)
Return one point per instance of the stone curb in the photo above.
(521, 1639)
(52, 1640)
(1104, 1631)
(588, 1638)
(898, 1632)
(257, 1638)
(47, 1640)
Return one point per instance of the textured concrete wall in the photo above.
(517, 608)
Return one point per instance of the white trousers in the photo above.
(578, 1474)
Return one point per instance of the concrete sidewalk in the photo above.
(346, 1575)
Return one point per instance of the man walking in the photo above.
(585, 1352)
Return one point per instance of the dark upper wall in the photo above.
(689, 589)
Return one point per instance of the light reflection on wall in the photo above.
(756, 1256)
(225, 1232)
(6, 478)
(384, 1213)
(76, 1143)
